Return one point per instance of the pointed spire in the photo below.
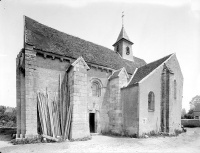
(122, 35)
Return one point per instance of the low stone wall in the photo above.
(190, 122)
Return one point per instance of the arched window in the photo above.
(127, 50)
(96, 89)
(151, 101)
(175, 89)
(117, 48)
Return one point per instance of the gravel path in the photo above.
(188, 142)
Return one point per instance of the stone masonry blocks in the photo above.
(18, 96)
(115, 114)
(78, 98)
(30, 94)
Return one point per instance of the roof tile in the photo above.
(50, 40)
(146, 70)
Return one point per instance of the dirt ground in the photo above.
(188, 142)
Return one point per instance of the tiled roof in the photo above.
(122, 35)
(146, 70)
(50, 40)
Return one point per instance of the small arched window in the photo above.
(117, 48)
(127, 50)
(151, 101)
(96, 89)
(175, 89)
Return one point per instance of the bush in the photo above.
(161, 134)
(177, 132)
(26, 141)
(7, 118)
(188, 116)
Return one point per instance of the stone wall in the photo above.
(129, 98)
(151, 120)
(18, 93)
(41, 75)
(23, 104)
(98, 104)
(48, 73)
(164, 106)
(175, 103)
(30, 91)
(26, 100)
(78, 98)
(116, 106)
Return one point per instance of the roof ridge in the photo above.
(158, 60)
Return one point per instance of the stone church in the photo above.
(111, 91)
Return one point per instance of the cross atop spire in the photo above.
(123, 19)
(123, 46)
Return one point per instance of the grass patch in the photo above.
(38, 139)
(26, 141)
(161, 134)
(124, 134)
(177, 132)
(82, 139)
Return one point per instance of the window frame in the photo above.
(151, 101)
(97, 91)
(117, 48)
(175, 89)
(127, 50)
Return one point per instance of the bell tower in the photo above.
(123, 45)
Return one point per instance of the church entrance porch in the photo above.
(92, 122)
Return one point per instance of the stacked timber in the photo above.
(55, 115)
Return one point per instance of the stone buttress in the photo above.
(78, 98)
(117, 80)
(26, 94)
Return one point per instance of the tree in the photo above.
(7, 116)
(2, 109)
(191, 111)
(189, 115)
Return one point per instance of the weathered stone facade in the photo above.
(78, 97)
(116, 106)
(167, 109)
(110, 97)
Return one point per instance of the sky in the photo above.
(156, 27)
